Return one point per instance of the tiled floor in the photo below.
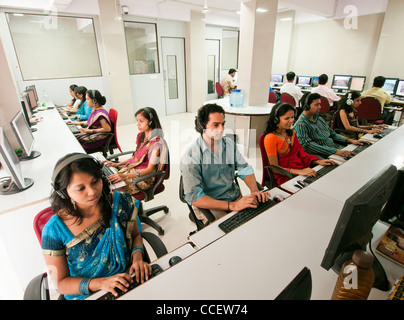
(179, 133)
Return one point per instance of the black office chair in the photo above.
(149, 193)
(38, 287)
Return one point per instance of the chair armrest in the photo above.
(38, 288)
(117, 155)
(281, 170)
(347, 132)
(155, 242)
(149, 192)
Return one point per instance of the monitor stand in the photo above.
(7, 186)
(34, 154)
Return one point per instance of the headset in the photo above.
(74, 157)
(93, 94)
(150, 115)
(276, 118)
(349, 100)
(306, 105)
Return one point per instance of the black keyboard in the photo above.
(64, 117)
(73, 128)
(245, 215)
(359, 149)
(322, 172)
(386, 131)
(156, 269)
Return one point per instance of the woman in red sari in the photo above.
(283, 148)
(149, 156)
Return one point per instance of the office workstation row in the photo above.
(282, 241)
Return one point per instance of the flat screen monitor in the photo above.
(314, 82)
(341, 82)
(393, 212)
(25, 106)
(400, 88)
(358, 216)
(299, 288)
(16, 182)
(24, 136)
(357, 83)
(276, 79)
(390, 85)
(32, 100)
(303, 81)
(33, 88)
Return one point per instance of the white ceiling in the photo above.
(307, 10)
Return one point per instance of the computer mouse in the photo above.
(173, 260)
(377, 136)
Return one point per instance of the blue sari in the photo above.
(98, 251)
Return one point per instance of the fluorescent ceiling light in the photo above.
(286, 19)
(261, 10)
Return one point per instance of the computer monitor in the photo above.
(16, 182)
(354, 227)
(33, 88)
(341, 82)
(357, 83)
(390, 85)
(314, 82)
(32, 100)
(27, 111)
(299, 288)
(400, 88)
(24, 136)
(303, 81)
(393, 212)
(276, 79)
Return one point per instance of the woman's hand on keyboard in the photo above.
(114, 178)
(110, 163)
(305, 172)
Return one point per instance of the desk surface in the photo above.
(259, 110)
(53, 140)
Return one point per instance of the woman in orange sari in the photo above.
(283, 148)
(149, 156)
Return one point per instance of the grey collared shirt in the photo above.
(206, 173)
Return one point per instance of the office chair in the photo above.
(286, 97)
(369, 111)
(111, 142)
(267, 175)
(272, 97)
(325, 110)
(342, 130)
(38, 287)
(192, 216)
(148, 194)
(219, 90)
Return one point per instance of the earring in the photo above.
(73, 203)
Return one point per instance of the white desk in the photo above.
(53, 140)
(209, 234)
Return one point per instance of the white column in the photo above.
(257, 34)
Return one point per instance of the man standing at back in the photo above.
(384, 98)
(325, 91)
(209, 167)
(228, 83)
(291, 88)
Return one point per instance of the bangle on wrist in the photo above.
(83, 286)
(137, 248)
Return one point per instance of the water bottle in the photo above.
(45, 97)
(240, 98)
(236, 98)
(232, 98)
(356, 278)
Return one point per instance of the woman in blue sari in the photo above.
(94, 237)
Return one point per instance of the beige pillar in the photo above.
(195, 61)
(257, 34)
(116, 59)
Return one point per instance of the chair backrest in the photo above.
(113, 114)
(266, 179)
(40, 220)
(286, 97)
(272, 97)
(325, 105)
(219, 89)
(369, 109)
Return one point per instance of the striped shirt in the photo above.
(316, 137)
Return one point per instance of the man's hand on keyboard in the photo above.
(249, 201)
(261, 196)
(359, 142)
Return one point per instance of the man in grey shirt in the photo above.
(208, 168)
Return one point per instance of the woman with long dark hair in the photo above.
(283, 148)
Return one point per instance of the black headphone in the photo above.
(93, 94)
(150, 115)
(276, 118)
(349, 100)
(76, 156)
(306, 105)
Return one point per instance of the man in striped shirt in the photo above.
(315, 136)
